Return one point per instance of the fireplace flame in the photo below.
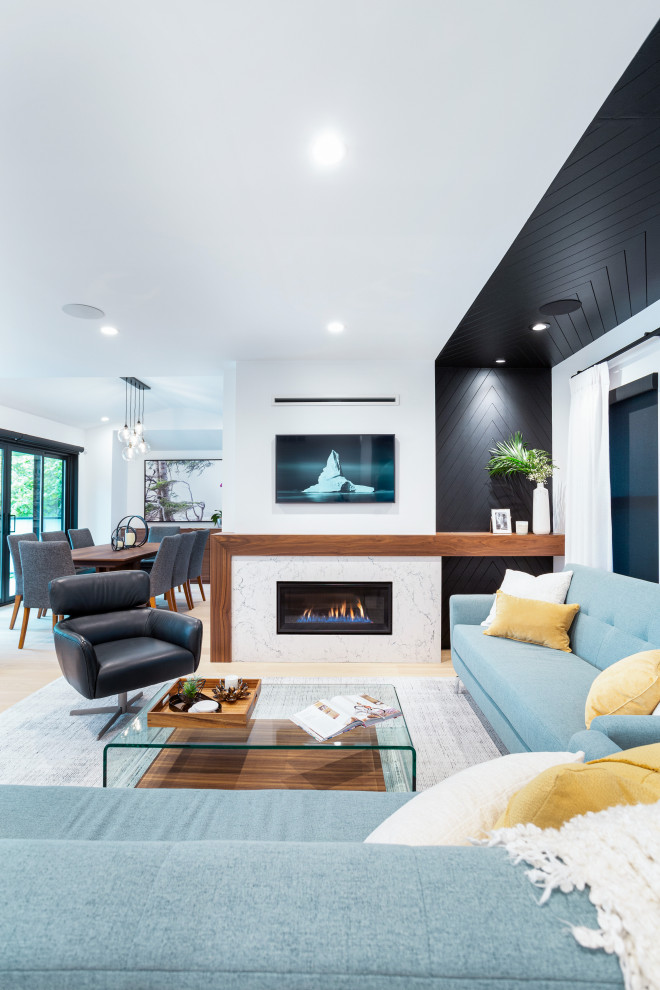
(344, 612)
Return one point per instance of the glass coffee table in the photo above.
(269, 752)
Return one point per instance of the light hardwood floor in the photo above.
(24, 671)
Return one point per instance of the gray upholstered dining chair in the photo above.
(160, 574)
(180, 575)
(41, 563)
(159, 530)
(13, 540)
(156, 534)
(196, 559)
(59, 536)
(79, 538)
(54, 536)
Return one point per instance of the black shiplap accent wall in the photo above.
(594, 236)
(475, 407)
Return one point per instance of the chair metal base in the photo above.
(124, 707)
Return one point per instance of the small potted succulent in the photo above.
(190, 690)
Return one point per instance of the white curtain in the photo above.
(588, 499)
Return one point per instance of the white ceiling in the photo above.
(155, 165)
(193, 402)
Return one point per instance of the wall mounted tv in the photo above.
(334, 467)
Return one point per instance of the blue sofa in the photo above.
(266, 890)
(534, 697)
(276, 890)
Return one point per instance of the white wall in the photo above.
(49, 429)
(95, 483)
(636, 363)
(37, 426)
(251, 423)
(229, 500)
(101, 486)
(102, 489)
(95, 474)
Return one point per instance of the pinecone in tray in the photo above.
(230, 695)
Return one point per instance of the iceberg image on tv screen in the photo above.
(334, 468)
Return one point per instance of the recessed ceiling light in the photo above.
(560, 307)
(328, 149)
(105, 419)
(109, 331)
(335, 327)
(540, 326)
(83, 312)
(500, 360)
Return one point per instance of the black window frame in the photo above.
(26, 444)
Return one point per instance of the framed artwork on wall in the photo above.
(500, 521)
(334, 467)
(182, 490)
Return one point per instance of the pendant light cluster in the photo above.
(131, 434)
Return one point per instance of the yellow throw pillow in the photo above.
(628, 687)
(562, 792)
(530, 621)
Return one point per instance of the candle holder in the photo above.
(230, 695)
(125, 537)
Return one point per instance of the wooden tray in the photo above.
(239, 713)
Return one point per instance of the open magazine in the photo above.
(326, 719)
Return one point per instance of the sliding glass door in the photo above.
(52, 501)
(37, 495)
(634, 478)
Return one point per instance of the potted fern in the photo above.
(513, 456)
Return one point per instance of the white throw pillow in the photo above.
(466, 805)
(544, 588)
(656, 710)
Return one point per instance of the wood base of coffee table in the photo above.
(323, 768)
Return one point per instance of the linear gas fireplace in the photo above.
(334, 607)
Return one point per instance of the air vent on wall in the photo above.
(336, 400)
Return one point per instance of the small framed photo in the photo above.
(500, 521)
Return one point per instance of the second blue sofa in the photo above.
(534, 697)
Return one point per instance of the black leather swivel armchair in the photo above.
(112, 644)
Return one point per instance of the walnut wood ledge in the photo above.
(224, 546)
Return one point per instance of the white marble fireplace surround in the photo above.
(416, 602)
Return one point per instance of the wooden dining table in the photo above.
(104, 558)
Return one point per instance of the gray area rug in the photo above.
(40, 743)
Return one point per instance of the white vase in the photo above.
(541, 511)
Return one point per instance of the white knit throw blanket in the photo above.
(616, 853)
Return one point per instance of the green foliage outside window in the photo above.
(25, 486)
